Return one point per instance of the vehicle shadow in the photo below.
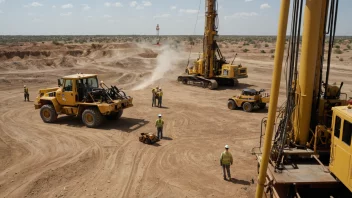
(260, 110)
(240, 181)
(155, 144)
(254, 110)
(240, 86)
(123, 124)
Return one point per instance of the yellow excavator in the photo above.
(212, 70)
(310, 154)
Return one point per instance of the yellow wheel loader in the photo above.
(82, 96)
(249, 100)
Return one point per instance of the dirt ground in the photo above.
(67, 159)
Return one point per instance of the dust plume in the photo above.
(165, 62)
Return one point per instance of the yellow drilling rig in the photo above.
(310, 153)
(212, 70)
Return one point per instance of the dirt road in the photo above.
(66, 159)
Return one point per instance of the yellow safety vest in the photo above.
(160, 93)
(159, 123)
(226, 158)
(26, 90)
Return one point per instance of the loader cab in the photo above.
(74, 88)
(341, 145)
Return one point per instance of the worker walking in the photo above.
(154, 93)
(160, 97)
(226, 161)
(159, 126)
(26, 93)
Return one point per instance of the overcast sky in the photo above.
(175, 17)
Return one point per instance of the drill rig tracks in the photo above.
(211, 84)
(198, 81)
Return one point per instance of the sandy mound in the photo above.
(24, 54)
(67, 61)
(148, 54)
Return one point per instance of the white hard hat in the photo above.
(24, 85)
(159, 115)
(227, 146)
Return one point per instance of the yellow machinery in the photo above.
(248, 100)
(81, 95)
(212, 69)
(310, 154)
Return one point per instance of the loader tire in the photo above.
(231, 105)
(119, 114)
(48, 113)
(92, 118)
(247, 107)
(114, 116)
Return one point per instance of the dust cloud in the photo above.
(165, 62)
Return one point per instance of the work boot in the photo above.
(225, 178)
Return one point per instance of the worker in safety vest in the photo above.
(159, 126)
(154, 92)
(226, 161)
(160, 97)
(26, 93)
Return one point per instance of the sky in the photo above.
(126, 17)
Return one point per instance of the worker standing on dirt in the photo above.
(154, 92)
(26, 93)
(159, 126)
(160, 97)
(226, 161)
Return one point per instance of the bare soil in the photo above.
(67, 159)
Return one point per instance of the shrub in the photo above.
(338, 51)
(245, 50)
(262, 51)
(266, 45)
(348, 47)
(272, 50)
(272, 56)
(337, 46)
(257, 45)
(341, 59)
(56, 43)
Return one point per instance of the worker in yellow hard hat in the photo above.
(154, 94)
(160, 97)
(226, 161)
(26, 93)
(159, 124)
